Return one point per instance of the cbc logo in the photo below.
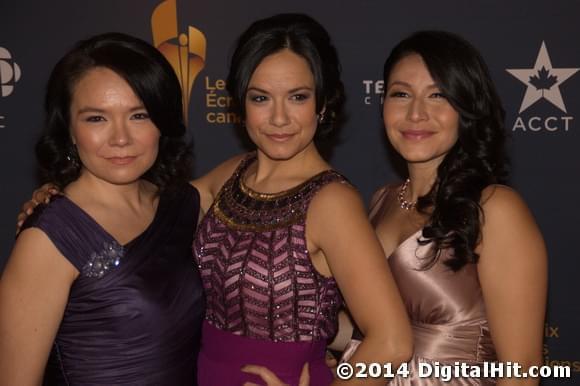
(9, 72)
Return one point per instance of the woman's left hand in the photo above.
(271, 379)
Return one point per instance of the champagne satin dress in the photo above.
(447, 314)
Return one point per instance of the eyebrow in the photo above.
(89, 109)
(301, 88)
(405, 84)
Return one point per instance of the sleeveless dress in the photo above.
(447, 314)
(266, 303)
(134, 313)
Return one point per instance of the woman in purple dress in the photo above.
(464, 249)
(100, 283)
(285, 237)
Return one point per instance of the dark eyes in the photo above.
(300, 97)
(99, 118)
(258, 98)
(94, 118)
(140, 116)
(398, 94)
(438, 95)
(403, 94)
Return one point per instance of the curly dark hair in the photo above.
(152, 79)
(477, 159)
(305, 37)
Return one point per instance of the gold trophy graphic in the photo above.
(185, 51)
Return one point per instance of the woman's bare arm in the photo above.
(337, 224)
(513, 275)
(34, 290)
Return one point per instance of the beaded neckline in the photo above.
(243, 208)
(272, 196)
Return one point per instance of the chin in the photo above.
(418, 158)
(280, 153)
(124, 177)
(125, 180)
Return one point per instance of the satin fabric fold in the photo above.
(446, 309)
(449, 343)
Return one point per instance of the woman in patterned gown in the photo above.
(100, 283)
(284, 236)
(467, 256)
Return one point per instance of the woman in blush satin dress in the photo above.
(100, 288)
(466, 254)
(285, 237)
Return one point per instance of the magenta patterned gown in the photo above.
(266, 303)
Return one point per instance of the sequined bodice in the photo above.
(255, 266)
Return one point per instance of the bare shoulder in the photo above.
(380, 194)
(210, 184)
(335, 198)
(34, 252)
(508, 223)
(218, 175)
(33, 239)
(336, 212)
(503, 203)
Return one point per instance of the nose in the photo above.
(417, 110)
(120, 135)
(279, 115)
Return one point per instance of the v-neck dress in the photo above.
(447, 314)
(134, 313)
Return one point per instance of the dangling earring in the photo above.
(72, 156)
(321, 117)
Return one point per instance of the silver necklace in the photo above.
(404, 204)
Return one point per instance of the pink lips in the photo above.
(121, 160)
(416, 135)
(279, 137)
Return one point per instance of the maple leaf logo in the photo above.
(543, 81)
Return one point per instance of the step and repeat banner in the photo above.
(532, 48)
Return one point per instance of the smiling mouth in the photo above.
(121, 160)
(279, 137)
(416, 135)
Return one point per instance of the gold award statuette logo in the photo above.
(185, 51)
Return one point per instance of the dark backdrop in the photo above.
(510, 34)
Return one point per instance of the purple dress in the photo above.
(266, 303)
(134, 313)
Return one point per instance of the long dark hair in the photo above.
(153, 81)
(477, 159)
(305, 37)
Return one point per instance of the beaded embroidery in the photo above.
(255, 266)
(244, 209)
(99, 263)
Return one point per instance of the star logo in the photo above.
(543, 81)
